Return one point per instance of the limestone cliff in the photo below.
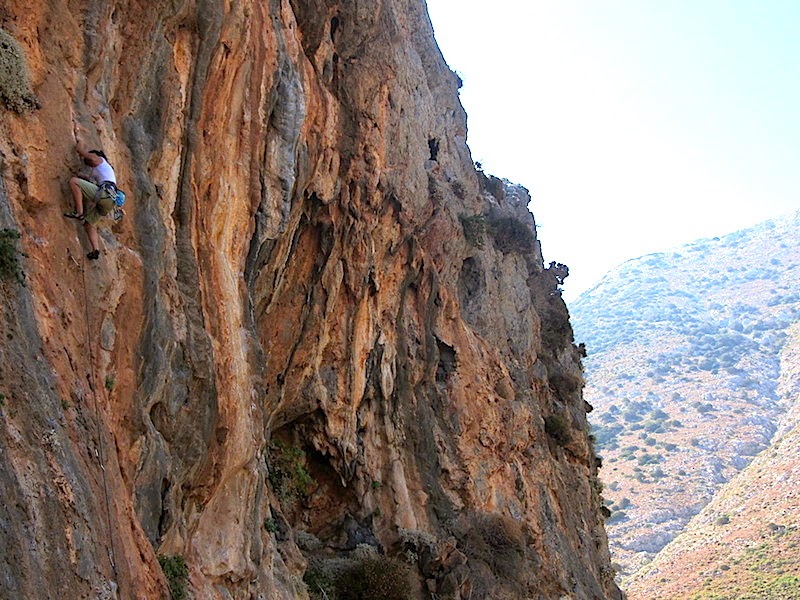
(318, 329)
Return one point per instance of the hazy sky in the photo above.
(637, 125)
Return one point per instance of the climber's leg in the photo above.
(82, 191)
(94, 240)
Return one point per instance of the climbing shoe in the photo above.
(93, 255)
(74, 215)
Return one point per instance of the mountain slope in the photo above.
(746, 543)
(683, 369)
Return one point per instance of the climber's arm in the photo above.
(92, 159)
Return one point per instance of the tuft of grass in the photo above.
(15, 83)
(9, 255)
(111, 382)
(177, 574)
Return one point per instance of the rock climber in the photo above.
(93, 200)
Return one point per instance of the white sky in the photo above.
(637, 125)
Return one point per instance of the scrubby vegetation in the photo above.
(566, 385)
(177, 574)
(15, 86)
(497, 548)
(365, 575)
(497, 541)
(415, 543)
(556, 427)
(458, 189)
(270, 525)
(511, 235)
(375, 578)
(9, 256)
(288, 475)
(764, 587)
(474, 227)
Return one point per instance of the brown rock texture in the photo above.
(317, 328)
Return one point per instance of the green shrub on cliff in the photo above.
(320, 581)
(474, 227)
(287, 471)
(9, 255)
(15, 86)
(556, 427)
(512, 235)
(177, 574)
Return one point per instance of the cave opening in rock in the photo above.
(433, 146)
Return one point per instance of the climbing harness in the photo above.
(109, 189)
(98, 451)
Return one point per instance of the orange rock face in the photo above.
(317, 321)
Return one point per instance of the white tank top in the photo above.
(104, 172)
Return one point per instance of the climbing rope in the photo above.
(112, 556)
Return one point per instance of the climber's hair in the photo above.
(99, 153)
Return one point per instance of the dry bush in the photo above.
(376, 578)
(417, 545)
(497, 541)
(567, 386)
(307, 541)
(458, 189)
(557, 428)
(512, 235)
(474, 229)
(435, 192)
(364, 575)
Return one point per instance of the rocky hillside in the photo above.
(320, 353)
(746, 543)
(692, 374)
